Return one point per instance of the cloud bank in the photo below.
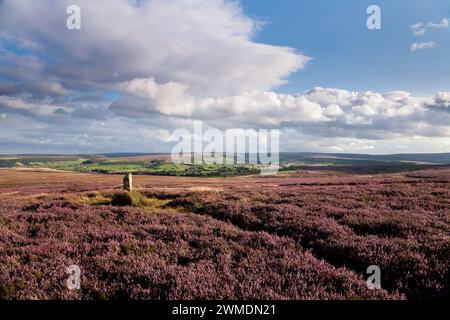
(321, 119)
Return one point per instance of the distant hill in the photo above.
(130, 154)
(433, 158)
(307, 157)
(313, 157)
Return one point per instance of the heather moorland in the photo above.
(303, 235)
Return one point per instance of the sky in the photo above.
(348, 55)
(138, 70)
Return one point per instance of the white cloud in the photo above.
(355, 121)
(444, 24)
(441, 101)
(423, 45)
(322, 114)
(420, 28)
(267, 107)
(205, 44)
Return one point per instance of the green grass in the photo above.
(122, 198)
(101, 164)
(105, 165)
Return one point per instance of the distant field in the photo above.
(161, 165)
(303, 235)
(143, 165)
(143, 158)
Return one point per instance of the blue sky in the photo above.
(133, 74)
(348, 55)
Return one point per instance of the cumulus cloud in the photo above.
(443, 99)
(423, 45)
(205, 44)
(321, 119)
(268, 108)
(440, 102)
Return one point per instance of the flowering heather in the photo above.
(255, 238)
(143, 254)
(403, 226)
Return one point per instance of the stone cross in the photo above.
(128, 182)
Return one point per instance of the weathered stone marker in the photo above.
(128, 182)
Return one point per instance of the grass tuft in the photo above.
(122, 199)
(129, 199)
